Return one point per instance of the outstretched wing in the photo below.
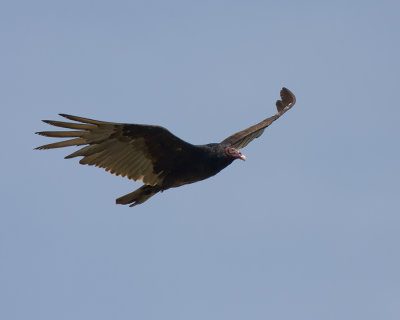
(243, 138)
(139, 152)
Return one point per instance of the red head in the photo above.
(234, 153)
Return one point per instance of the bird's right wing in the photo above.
(243, 138)
(139, 152)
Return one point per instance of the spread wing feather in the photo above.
(138, 152)
(243, 138)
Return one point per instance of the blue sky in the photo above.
(307, 228)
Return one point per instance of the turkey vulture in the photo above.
(152, 154)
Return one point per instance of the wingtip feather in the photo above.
(288, 99)
(81, 119)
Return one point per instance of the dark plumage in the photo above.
(152, 154)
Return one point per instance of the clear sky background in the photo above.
(307, 228)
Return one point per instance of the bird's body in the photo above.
(152, 154)
(207, 162)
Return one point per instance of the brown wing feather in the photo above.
(139, 152)
(243, 138)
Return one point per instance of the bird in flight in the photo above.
(152, 154)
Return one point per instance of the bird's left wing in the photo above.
(139, 152)
(243, 138)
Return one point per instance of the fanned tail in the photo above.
(138, 196)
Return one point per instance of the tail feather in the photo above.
(138, 196)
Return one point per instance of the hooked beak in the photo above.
(242, 157)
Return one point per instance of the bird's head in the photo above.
(234, 153)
